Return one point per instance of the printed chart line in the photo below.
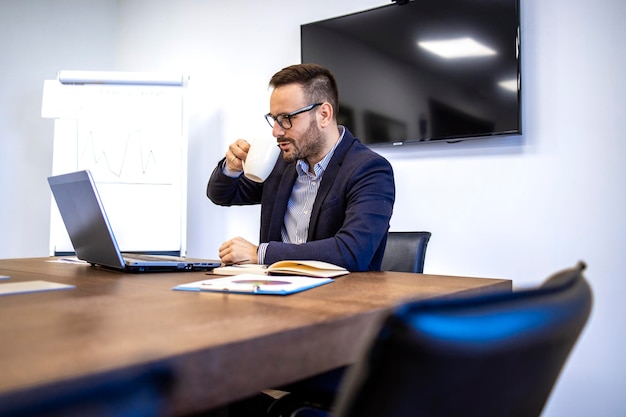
(150, 159)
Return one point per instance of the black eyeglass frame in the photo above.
(287, 116)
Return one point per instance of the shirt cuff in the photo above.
(260, 253)
(230, 173)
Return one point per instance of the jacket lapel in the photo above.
(330, 175)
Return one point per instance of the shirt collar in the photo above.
(302, 166)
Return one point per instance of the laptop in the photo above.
(91, 235)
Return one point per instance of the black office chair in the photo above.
(494, 355)
(405, 251)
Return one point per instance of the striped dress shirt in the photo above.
(296, 222)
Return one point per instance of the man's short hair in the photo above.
(318, 83)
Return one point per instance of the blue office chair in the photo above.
(488, 356)
(140, 392)
(405, 251)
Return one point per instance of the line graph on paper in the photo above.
(130, 135)
(123, 153)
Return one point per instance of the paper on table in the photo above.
(68, 260)
(31, 286)
(254, 284)
(241, 269)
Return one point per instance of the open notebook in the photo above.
(89, 230)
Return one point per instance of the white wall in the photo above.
(38, 38)
(519, 207)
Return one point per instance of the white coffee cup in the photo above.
(261, 159)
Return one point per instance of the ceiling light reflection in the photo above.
(510, 85)
(457, 48)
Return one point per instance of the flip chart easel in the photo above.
(130, 131)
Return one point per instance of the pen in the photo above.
(237, 263)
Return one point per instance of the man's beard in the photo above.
(310, 144)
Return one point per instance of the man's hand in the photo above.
(238, 250)
(237, 152)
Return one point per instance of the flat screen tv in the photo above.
(423, 71)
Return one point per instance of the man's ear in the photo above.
(326, 114)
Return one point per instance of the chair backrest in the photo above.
(496, 355)
(143, 391)
(405, 251)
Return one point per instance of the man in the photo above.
(329, 197)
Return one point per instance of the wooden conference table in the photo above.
(220, 347)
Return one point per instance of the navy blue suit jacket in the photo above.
(350, 216)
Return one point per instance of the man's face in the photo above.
(303, 140)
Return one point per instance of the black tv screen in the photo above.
(424, 71)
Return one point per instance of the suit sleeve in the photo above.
(227, 191)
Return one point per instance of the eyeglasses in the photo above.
(284, 120)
